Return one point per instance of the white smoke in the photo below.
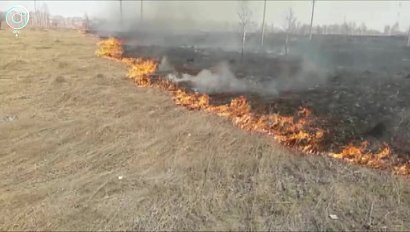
(309, 76)
(220, 79)
(165, 66)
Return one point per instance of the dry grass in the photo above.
(71, 124)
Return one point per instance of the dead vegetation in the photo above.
(84, 149)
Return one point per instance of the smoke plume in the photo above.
(165, 66)
(220, 79)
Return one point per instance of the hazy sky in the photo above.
(376, 14)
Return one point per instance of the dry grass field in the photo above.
(82, 148)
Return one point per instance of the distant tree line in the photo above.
(40, 17)
(292, 26)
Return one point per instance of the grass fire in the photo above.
(302, 131)
(204, 116)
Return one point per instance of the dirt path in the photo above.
(81, 148)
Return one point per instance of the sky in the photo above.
(375, 14)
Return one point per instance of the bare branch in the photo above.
(244, 15)
(290, 21)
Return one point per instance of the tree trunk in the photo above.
(46, 20)
(40, 19)
(243, 42)
(311, 19)
(263, 23)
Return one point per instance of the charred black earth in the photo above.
(353, 103)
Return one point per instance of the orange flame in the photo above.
(298, 132)
(402, 169)
(141, 70)
(111, 48)
(361, 155)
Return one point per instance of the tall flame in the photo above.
(298, 132)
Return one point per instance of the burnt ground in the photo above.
(361, 96)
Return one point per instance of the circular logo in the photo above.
(17, 17)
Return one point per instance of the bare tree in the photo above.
(290, 27)
(345, 29)
(311, 19)
(263, 23)
(290, 21)
(86, 22)
(244, 14)
(35, 18)
(44, 16)
(362, 29)
(387, 30)
(395, 29)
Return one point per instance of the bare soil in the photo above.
(82, 148)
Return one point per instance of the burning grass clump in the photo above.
(110, 48)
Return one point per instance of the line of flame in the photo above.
(296, 132)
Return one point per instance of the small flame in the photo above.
(361, 155)
(402, 169)
(141, 70)
(111, 48)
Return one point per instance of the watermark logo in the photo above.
(17, 17)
